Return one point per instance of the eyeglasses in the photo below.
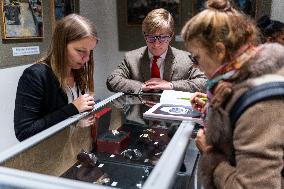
(161, 38)
(193, 59)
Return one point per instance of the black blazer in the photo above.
(40, 102)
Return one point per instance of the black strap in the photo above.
(254, 95)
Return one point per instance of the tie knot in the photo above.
(156, 57)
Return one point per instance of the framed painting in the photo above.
(138, 9)
(249, 7)
(131, 13)
(22, 19)
(61, 8)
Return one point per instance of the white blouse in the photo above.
(72, 93)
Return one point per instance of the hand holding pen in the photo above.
(198, 101)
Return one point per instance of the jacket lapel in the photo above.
(169, 65)
(145, 65)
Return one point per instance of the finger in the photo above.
(195, 96)
(200, 95)
(200, 133)
(154, 80)
(88, 95)
(89, 98)
(154, 87)
(151, 83)
(146, 88)
(192, 101)
(200, 102)
(85, 95)
(91, 103)
(88, 108)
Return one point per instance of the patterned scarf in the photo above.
(228, 71)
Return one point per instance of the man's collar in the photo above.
(162, 55)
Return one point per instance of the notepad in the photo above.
(176, 97)
(174, 105)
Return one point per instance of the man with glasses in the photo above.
(157, 66)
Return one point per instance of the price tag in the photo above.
(114, 183)
(101, 165)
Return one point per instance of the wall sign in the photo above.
(21, 51)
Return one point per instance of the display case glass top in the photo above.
(103, 146)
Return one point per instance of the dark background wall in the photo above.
(130, 37)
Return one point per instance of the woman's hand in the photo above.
(200, 141)
(84, 103)
(198, 102)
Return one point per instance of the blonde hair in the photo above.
(71, 28)
(220, 22)
(158, 19)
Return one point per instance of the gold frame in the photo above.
(4, 21)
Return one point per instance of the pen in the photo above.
(184, 98)
(202, 98)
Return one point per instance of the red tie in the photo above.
(155, 72)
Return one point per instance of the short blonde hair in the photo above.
(158, 19)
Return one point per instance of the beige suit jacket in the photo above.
(134, 70)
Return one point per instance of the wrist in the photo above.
(141, 89)
(171, 85)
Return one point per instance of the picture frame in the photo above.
(22, 19)
(249, 7)
(128, 29)
(61, 8)
(138, 9)
(132, 29)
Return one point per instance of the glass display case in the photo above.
(112, 146)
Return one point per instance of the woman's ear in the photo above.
(221, 51)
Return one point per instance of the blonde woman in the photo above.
(61, 84)
(248, 152)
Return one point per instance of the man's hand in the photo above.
(156, 85)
